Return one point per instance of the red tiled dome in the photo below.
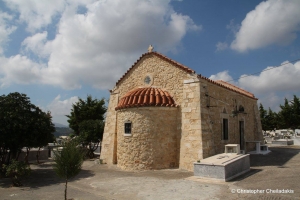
(146, 97)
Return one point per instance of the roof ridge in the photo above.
(235, 86)
(189, 70)
(223, 84)
(177, 64)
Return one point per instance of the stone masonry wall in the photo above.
(191, 139)
(153, 140)
(197, 127)
(221, 102)
(163, 75)
(108, 142)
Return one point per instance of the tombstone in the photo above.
(225, 166)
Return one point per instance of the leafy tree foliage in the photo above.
(17, 170)
(287, 117)
(290, 113)
(68, 162)
(86, 119)
(22, 124)
(263, 115)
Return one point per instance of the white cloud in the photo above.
(272, 80)
(271, 100)
(272, 22)
(284, 78)
(36, 44)
(221, 76)
(36, 14)
(60, 107)
(270, 86)
(5, 29)
(97, 47)
(221, 46)
(19, 69)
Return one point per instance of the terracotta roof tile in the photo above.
(229, 86)
(147, 96)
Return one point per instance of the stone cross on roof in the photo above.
(150, 48)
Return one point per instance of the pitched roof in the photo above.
(147, 96)
(189, 70)
(229, 86)
(160, 56)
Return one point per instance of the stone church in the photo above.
(162, 114)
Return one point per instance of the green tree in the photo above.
(272, 120)
(263, 117)
(20, 123)
(68, 162)
(42, 131)
(86, 119)
(290, 113)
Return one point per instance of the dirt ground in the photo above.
(270, 174)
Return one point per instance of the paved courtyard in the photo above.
(269, 174)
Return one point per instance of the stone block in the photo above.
(223, 166)
(188, 109)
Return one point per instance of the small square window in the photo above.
(127, 128)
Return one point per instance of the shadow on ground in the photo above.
(43, 175)
(279, 156)
(246, 175)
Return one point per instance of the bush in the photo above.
(17, 170)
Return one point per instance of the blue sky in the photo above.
(56, 51)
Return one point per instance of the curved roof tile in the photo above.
(147, 96)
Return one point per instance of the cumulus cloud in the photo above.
(61, 107)
(284, 78)
(36, 44)
(221, 76)
(272, 100)
(271, 85)
(36, 14)
(272, 22)
(5, 29)
(19, 69)
(97, 46)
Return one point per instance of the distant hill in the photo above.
(59, 125)
(62, 131)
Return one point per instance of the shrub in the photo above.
(68, 162)
(17, 170)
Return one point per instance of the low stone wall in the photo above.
(283, 142)
(44, 154)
